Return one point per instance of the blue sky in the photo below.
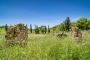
(42, 12)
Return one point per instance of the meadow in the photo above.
(47, 47)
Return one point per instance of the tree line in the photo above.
(37, 30)
(82, 23)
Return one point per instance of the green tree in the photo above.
(35, 28)
(67, 24)
(45, 29)
(30, 28)
(6, 27)
(62, 27)
(88, 24)
(54, 29)
(82, 23)
(42, 28)
(48, 29)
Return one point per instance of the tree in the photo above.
(42, 28)
(45, 29)
(54, 29)
(88, 24)
(30, 28)
(6, 26)
(67, 24)
(62, 27)
(48, 29)
(26, 26)
(82, 23)
(35, 28)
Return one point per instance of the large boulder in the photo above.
(18, 33)
(10, 34)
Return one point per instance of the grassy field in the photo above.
(47, 47)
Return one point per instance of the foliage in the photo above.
(30, 28)
(62, 27)
(37, 29)
(47, 48)
(67, 24)
(42, 28)
(6, 26)
(88, 24)
(45, 29)
(48, 29)
(82, 23)
(73, 24)
(2, 26)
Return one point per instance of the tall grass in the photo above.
(47, 48)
